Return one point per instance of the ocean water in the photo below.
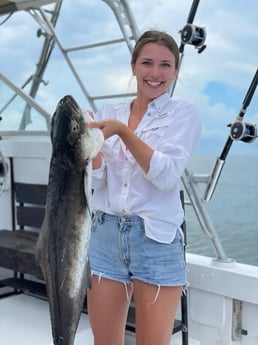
(233, 209)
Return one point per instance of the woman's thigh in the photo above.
(155, 312)
(108, 303)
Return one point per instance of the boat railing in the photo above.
(28, 99)
(129, 31)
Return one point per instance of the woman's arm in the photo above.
(141, 151)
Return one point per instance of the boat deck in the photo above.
(25, 321)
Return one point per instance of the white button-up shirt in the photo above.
(172, 129)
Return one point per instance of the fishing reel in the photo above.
(243, 131)
(194, 35)
(41, 32)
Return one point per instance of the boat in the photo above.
(222, 294)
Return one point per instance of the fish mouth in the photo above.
(69, 127)
(69, 101)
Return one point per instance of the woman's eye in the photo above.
(146, 62)
(166, 64)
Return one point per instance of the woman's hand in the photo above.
(141, 151)
(109, 127)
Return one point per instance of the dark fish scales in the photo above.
(62, 247)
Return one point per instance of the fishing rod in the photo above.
(193, 34)
(239, 130)
(190, 34)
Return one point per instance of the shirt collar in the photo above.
(159, 102)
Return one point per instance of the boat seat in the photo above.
(17, 251)
(17, 245)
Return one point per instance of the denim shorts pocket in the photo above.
(94, 223)
(178, 237)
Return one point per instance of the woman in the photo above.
(137, 244)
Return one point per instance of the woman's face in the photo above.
(154, 70)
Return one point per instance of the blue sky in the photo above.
(216, 80)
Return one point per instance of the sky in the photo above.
(215, 81)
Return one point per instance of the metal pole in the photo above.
(215, 174)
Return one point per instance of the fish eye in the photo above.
(75, 128)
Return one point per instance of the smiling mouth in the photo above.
(154, 84)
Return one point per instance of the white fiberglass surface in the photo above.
(24, 320)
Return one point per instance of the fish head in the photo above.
(70, 134)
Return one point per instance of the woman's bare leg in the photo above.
(155, 312)
(108, 304)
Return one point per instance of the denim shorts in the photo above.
(119, 250)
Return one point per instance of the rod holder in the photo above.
(213, 179)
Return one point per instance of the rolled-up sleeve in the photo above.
(166, 170)
(171, 157)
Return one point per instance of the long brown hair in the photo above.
(159, 37)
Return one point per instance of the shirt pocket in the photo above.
(154, 133)
(111, 148)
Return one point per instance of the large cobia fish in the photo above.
(62, 247)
